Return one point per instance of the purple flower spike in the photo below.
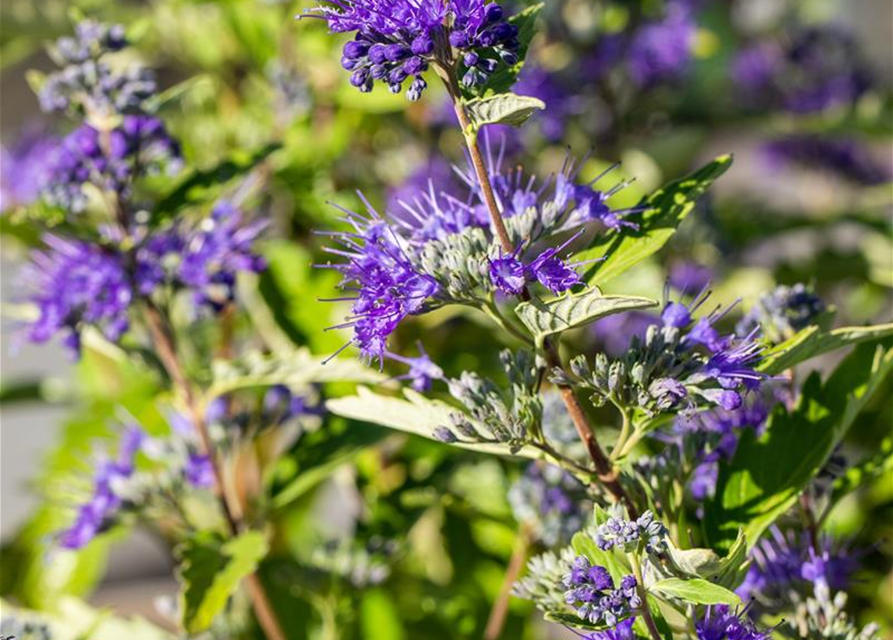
(76, 284)
(96, 515)
(388, 287)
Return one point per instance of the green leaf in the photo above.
(696, 591)
(503, 79)
(380, 617)
(666, 209)
(503, 108)
(73, 619)
(546, 318)
(416, 414)
(201, 186)
(613, 560)
(859, 475)
(707, 564)
(315, 461)
(812, 342)
(573, 621)
(210, 572)
(768, 472)
(294, 369)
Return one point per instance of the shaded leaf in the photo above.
(210, 572)
(667, 208)
(546, 318)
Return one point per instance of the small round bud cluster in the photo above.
(551, 501)
(13, 628)
(628, 535)
(397, 41)
(362, 565)
(590, 591)
(782, 312)
(87, 83)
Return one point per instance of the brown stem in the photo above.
(499, 612)
(604, 468)
(165, 344)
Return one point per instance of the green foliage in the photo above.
(416, 414)
(726, 571)
(768, 472)
(200, 187)
(666, 209)
(613, 560)
(295, 369)
(503, 108)
(73, 619)
(813, 342)
(551, 317)
(696, 590)
(210, 572)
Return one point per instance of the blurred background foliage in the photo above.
(384, 536)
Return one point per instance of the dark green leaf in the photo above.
(667, 208)
(812, 342)
(210, 572)
(768, 472)
(859, 475)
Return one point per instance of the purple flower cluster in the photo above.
(627, 534)
(510, 275)
(23, 168)
(783, 562)
(621, 631)
(661, 50)
(590, 591)
(551, 501)
(87, 82)
(422, 370)
(138, 147)
(387, 285)
(730, 359)
(845, 157)
(399, 39)
(204, 259)
(722, 623)
(95, 516)
(815, 68)
(714, 435)
(74, 284)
